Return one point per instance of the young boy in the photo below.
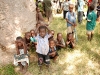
(27, 40)
(71, 19)
(70, 41)
(60, 43)
(43, 45)
(52, 50)
(91, 22)
(21, 57)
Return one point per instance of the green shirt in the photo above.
(91, 21)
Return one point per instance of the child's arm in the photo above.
(36, 30)
(69, 22)
(73, 43)
(25, 48)
(67, 43)
(17, 50)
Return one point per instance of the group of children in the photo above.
(42, 39)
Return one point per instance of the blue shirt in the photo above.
(81, 5)
(71, 16)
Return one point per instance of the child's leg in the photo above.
(89, 35)
(25, 67)
(92, 35)
(21, 66)
(40, 60)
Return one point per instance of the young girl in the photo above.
(70, 41)
(52, 50)
(32, 38)
(43, 45)
(60, 41)
(39, 17)
(27, 40)
(21, 58)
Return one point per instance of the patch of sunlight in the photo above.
(16, 20)
(11, 46)
(90, 64)
(70, 69)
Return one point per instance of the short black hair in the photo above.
(59, 33)
(42, 27)
(92, 7)
(32, 30)
(52, 40)
(19, 38)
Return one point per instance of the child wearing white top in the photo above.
(43, 45)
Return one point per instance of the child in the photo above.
(27, 40)
(39, 17)
(60, 41)
(71, 19)
(52, 50)
(43, 45)
(52, 32)
(32, 38)
(21, 53)
(70, 41)
(98, 12)
(91, 22)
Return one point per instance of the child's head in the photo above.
(27, 35)
(71, 6)
(92, 7)
(37, 9)
(19, 40)
(32, 32)
(52, 43)
(70, 36)
(42, 31)
(59, 36)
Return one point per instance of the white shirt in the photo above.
(42, 44)
(65, 5)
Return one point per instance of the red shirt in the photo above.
(89, 2)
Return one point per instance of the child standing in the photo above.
(60, 41)
(91, 22)
(43, 45)
(52, 50)
(70, 41)
(21, 52)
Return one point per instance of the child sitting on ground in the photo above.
(60, 43)
(27, 40)
(32, 38)
(52, 50)
(43, 45)
(70, 41)
(21, 58)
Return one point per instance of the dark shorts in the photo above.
(43, 59)
(54, 56)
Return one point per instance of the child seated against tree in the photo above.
(27, 40)
(70, 42)
(32, 38)
(43, 45)
(39, 17)
(52, 50)
(21, 58)
(52, 32)
(60, 43)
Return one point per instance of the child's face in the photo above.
(19, 42)
(27, 36)
(42, 32)
(59, 37)
(51, 44)
(38, 10)
(71, 8)
(32, 33)
(70, 36)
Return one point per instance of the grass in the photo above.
(83, 60)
